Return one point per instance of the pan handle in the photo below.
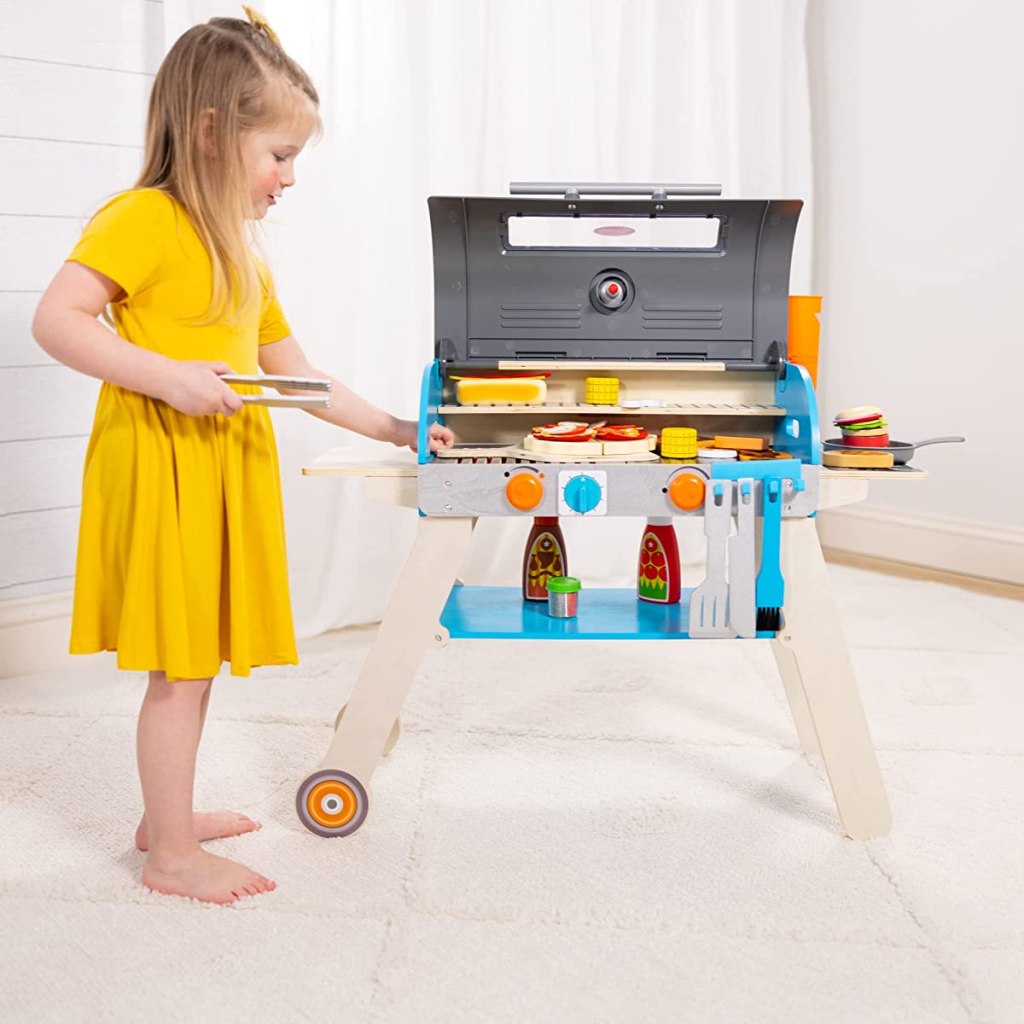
(938, 440)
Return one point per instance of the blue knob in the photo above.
(582, 493)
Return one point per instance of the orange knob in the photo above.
(524, 491)
(687, 491)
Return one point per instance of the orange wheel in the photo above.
(332, 803)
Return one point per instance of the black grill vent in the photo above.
(664, 317)
(518, 316)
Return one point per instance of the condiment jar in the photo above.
(563, 596)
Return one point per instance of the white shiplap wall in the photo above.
(74, 77)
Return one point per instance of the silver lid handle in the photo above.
(572, 190)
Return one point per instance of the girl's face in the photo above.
(269, 160)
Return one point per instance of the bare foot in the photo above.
(203, 876)
(216, 825)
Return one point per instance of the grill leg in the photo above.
(409, 625)
(818, 675)
(785, 661)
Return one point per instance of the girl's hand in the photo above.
(440, 437)
(195, 388)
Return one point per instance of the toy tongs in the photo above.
(270, 380)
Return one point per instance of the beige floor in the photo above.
(566, 832)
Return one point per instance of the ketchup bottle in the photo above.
(544, 557)
(658, 572)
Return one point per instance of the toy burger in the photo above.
(863, 426)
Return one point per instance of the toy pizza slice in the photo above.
(568, 431)
(621, 432)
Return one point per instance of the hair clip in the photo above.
(259, 22)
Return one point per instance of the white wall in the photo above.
(74, 78)
(918, 119)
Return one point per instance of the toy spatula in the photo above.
(709, 603)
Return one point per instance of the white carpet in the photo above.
(566, 832)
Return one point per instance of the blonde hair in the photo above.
(218, 81)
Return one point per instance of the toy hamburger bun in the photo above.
(849, 459)
(857, 414)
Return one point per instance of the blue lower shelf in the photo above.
(500, 613)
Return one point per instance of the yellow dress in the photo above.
(181, 549)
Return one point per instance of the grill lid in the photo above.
(529, 277)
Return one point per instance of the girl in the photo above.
(181, 558)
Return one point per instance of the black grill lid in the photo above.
(512, 284)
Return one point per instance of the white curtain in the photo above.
(459, 97)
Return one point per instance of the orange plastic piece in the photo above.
(804, 333)
(524, 491)
(327, 818)
(744, 444)
(686, 491)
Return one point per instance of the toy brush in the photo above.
(771, 588)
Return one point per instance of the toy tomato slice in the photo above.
(621, 432)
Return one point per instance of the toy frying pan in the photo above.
(902, 452)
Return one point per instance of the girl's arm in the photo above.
(65, 326)
(348, 409)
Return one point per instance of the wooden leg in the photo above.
(818, 675)
(785, 660)
(408, 627)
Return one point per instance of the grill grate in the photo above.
(670, 408)
(512, 460)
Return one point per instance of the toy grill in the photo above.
(664, 307)
(682, 303)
